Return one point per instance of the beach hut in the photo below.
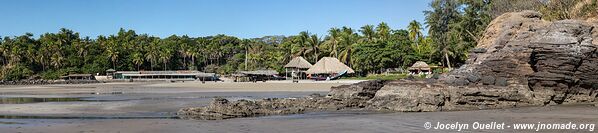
(298, 66)
(110, 73)
(79, 77)
(329, 65)
(258, 75)
(419, 67)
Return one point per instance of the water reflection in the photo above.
(25, 100)
(84, 117)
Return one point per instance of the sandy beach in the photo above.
(146, 98)
(150, 106)
(178, 87)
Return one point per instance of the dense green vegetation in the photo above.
(454, 27)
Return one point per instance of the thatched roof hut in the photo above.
(420, 65)
(329, 65)
(298, 62)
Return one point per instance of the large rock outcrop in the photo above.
(558, 57)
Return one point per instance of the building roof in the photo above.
(259, 72)
(298, 62)
(420, 65)
(79, 75)
(169, 73)
(329, 65)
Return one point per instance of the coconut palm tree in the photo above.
(56, 60)
(165, 55)
(368, 32)
(245, 43)
(152, 52)
(383, 32)
(347, 39)
(137, 59)
(315, 43)
(302, 42)
(112, 51)
(415, 33)
(334, 35)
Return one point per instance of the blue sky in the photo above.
(241, 18)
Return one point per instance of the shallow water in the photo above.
(84, 117)
(26, 100)
(132, 105)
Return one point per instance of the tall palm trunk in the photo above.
(448, 62)
(246, 53)
(193, 61)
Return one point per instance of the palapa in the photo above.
(329, 65)
(298, 62)
(420, 65)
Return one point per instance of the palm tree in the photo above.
(112, 52)
(4, 50)
(415, 33)
(443, 14)
(315, 43)
(245, 43)
(56, 60)
(383, 32)
(368, 32)
(165, 55)
(348, 39)
(193, 52)
(333, 40)
(137, 59)
(302, 42)
(152, 52)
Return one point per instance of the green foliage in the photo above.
(379, 76)
(569, 9)
(456, 26)
(16, 73)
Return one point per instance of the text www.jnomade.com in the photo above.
(539, 126)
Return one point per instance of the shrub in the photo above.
(17, 72)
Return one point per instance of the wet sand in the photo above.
(346, 122)
(146, 107)
(146, 98)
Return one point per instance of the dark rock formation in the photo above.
(353, 96)
(223, 109)
(547, 56)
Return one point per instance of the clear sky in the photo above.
(241, 18)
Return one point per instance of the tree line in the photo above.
(454, 27)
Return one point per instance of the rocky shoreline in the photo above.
(522, 60)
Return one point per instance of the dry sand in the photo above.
(179, 87)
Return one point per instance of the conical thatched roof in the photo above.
(420, 65)
(329, 65)
(298, 62)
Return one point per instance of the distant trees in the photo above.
(454, 27)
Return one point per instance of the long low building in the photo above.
(190, 75)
